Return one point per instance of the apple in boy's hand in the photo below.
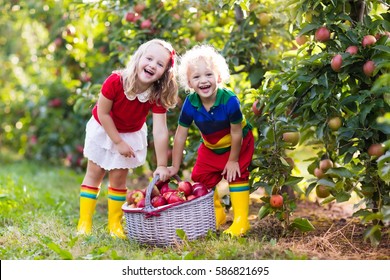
(185, 187)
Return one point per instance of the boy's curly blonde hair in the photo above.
(208, 54)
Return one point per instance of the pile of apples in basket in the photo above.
(163, 194)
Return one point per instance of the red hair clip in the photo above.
(172, 58)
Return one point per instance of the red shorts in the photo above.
(209, 165)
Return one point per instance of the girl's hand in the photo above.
(125, 149)
(231, 170)
(173, 170)
(163, 172)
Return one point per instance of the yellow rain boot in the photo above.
(220, 215)
(88, 198)
(239, 196)
(116, 198)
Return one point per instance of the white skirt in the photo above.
(100, 149)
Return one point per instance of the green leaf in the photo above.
(384, 167)
(264, 211)
(326, 182)
(374, 234)
(342, 196)
(302, 224)
(340, 171)
(181, 234)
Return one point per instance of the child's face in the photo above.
(204, 79)
(152, 64)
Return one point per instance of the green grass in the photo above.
(39, 213)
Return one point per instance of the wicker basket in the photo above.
(157, 226)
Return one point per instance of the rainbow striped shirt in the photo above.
(214, 125)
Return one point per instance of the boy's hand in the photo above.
(231, 171)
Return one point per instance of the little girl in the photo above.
(227, 140)
(116, 134)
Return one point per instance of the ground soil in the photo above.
(337, 235)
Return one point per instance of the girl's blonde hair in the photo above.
(165, 90)
(208, 54)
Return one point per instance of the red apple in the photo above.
(185, 187)
(291, 137)
(191, 197)
(55, 102)
(376, 150)
(166, 195)
(368, 40)
(322, 34)
(301, 40)
(256, 111)
(352, 50)
(158, 201)
(130, 17)
(369, 68)
(155, 192)
(165, 188)
(276, 201)
(146, 24)
(139, 8)
(176, 196)
(159, 184)
(198, 189)
(134, 196)
(319, 173)
(336, 62)
(141, 203)
(325, 164)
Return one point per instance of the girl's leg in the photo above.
(116, 197)
(89, 192)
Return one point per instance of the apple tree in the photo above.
(334, 91)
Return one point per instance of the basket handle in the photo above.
(148, 205)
